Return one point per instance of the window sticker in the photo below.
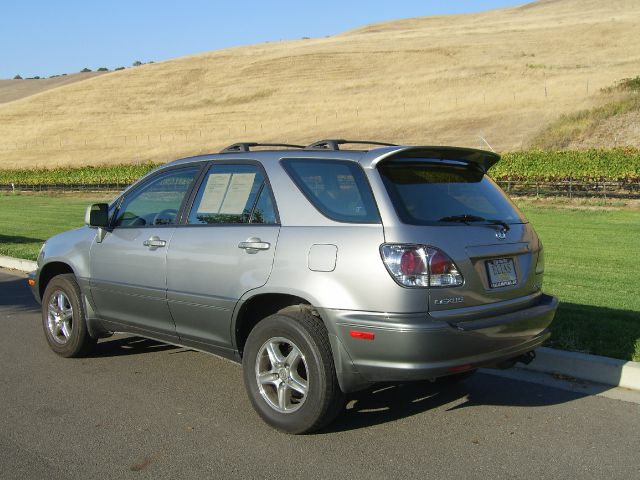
(214, 192)
(237, 193)
(226, 193)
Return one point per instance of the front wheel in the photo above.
(63, 318)
(289, 373)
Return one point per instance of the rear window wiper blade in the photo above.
(468, 219)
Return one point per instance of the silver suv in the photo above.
(322, 270)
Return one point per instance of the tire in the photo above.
(63, 318)
(310, 395)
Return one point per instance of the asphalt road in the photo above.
(139, 409)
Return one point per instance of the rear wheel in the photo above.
(63, 318)
(289, 373)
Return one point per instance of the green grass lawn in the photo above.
(592, 263)
(28, 220)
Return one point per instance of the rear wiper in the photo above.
(474, 218)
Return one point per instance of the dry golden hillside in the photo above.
(502, 74)
(11, 90)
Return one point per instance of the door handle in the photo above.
(154, 242)
(253, 244)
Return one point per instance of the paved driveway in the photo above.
(140, 409)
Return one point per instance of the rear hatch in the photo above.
(445, 200)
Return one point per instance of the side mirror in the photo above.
(97, 215)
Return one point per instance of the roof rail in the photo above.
(246, 146)
(334, 144)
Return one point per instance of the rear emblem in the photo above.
(447, 301)
(501, 234)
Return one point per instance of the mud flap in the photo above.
(349, 378)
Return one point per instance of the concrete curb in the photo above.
(593, 368)
(17, 264)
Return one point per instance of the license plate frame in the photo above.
(501, 272)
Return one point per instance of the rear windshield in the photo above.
(435, 193)
(337, 188)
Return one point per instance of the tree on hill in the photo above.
(85, 70)
(137, 63)
(103, 69)
(17, 77)
(119, 68)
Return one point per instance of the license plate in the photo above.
(502, 272)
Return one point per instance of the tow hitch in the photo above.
(525, 358)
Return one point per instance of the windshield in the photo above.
(439, 192)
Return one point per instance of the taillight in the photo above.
(442, 271)
(420, 266)
(412, 263)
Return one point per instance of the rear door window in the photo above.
(338, 189)
(233, 194)
(437, 192)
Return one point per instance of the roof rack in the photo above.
(334, 144)
(246, 146)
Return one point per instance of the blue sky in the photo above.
(45, 37)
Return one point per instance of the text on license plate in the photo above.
(502, 272)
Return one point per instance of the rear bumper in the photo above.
(417, 346)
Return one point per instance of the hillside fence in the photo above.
(572, 188)
(566, 188)
(63, 188)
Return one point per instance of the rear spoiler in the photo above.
(481, 158)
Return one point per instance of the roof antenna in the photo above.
(483, 139)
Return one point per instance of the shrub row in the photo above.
(103, 175)
(589, 165)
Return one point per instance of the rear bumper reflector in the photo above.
(362, 335)
(460, 368)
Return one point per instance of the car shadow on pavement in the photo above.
(391, 402)
(15, 295)
(129, 346)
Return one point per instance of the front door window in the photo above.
(158, 201)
